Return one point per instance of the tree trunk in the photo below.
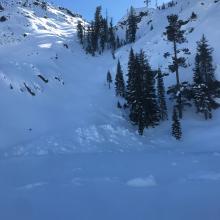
(179, 98)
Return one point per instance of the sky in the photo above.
(116, 8)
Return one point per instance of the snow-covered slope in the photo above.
(154, 42)
(53, 96)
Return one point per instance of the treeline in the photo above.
(99, 35)
(144, 91)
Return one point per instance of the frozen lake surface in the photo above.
(107, 186)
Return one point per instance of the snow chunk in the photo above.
(32, 186)
(142, 182)
(48, 45)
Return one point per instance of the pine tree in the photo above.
(175, 34)
(80, 32)
(109, 79)
(131, 27)
(137, 114)
(150, 105)
(205, 87)
(97, 27)
(197, 78)
(161, 96)
(88, 47)
(206, 71)
(141, 92)
(134, 95)
(119, 81)
(103, 34)
(130, 77)
(93, 39)
(176, 126)
(203, 100)
(112, 40)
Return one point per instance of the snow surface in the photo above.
(95, 186)
(69, 153)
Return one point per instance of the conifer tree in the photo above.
(97, 27)
(80, 32)
(141, 92)
(205, 87)
(175, 34)
(109, 79)
(205, 72)
(203, 100)
(131, 26)
(176, 126)
(161, 97)
(93, 40)
(88, 47)
(130, 77)
(99, 35)
(151, 109)
(134, 93)
(119, 81)
(137, 114)
(103, 34)
(112, 40)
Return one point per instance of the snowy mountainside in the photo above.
(154, 42)
(54, 97)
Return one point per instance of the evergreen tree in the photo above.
(205, 87)
(131, 27)
(112, 40)
(141, 92)
(119, 81)
(197, 78)
(80, 32)
(103, 34)
(175, 34)
(176, 126)
(161, 96)
(93, 39)
(97, 27)
(134, 95)
(109, 79)
(99, 35)
(205, 72)
(203, 100)
(130, 77)
(89, 48)
(150, 105)
(137, 114)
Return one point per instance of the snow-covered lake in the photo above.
(107, 186)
